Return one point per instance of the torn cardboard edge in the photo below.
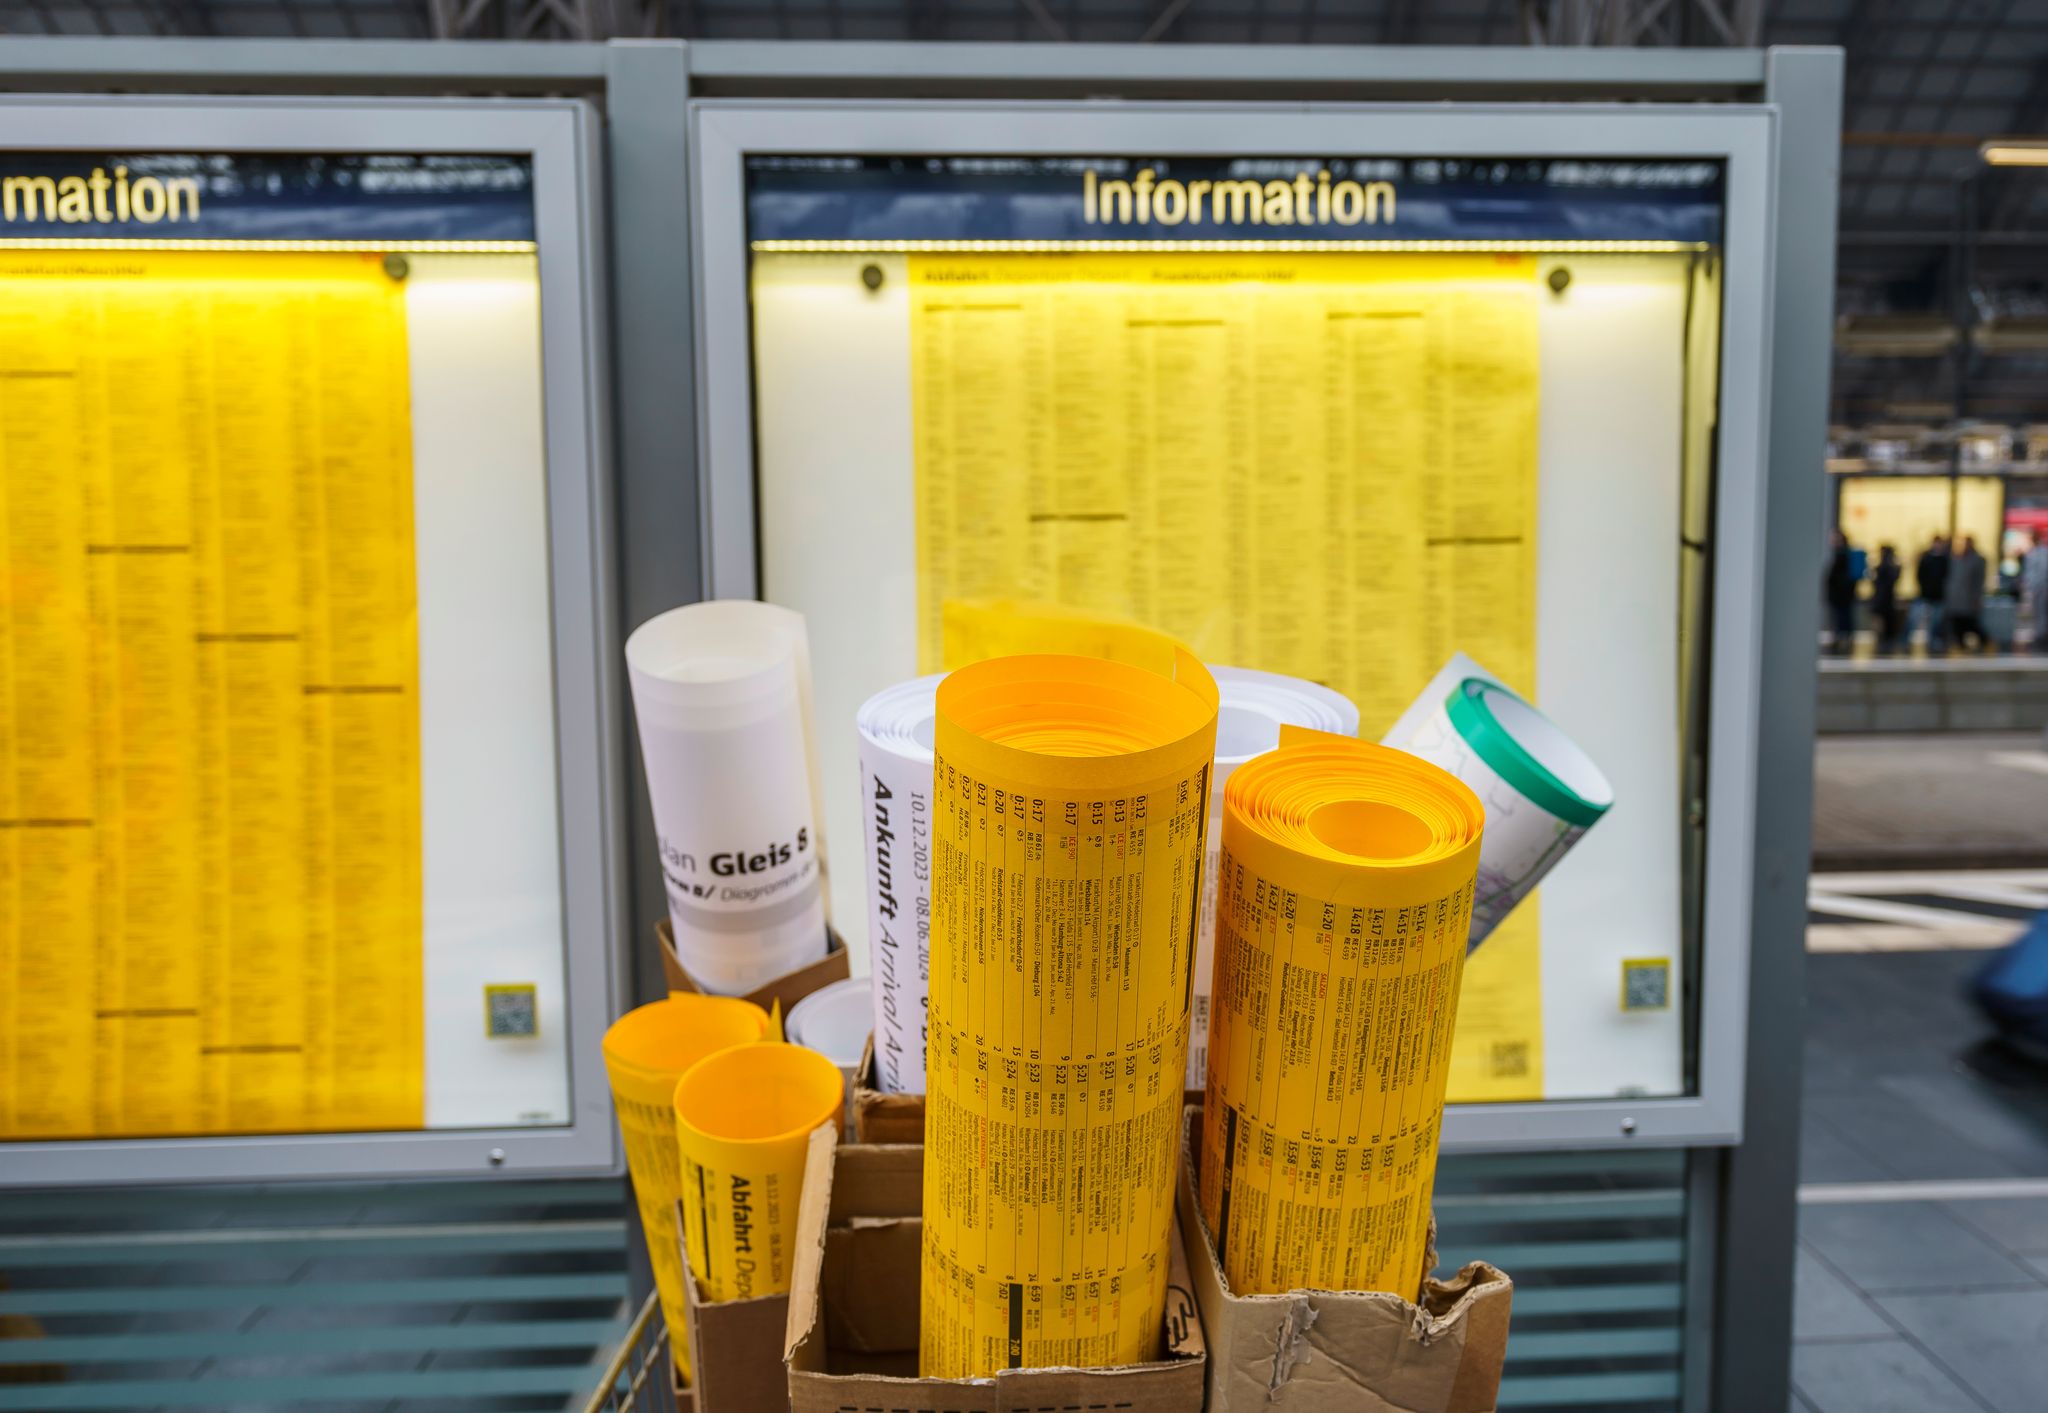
(852, 1336)
(787, 989)
(879, 1116)
(735, 1347)
(1357, 1351)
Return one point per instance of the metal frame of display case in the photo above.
(1741, 1199)
(561, 139)
(727, 132)
(1741, 1211)
(641, 89)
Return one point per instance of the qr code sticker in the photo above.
(511, 1012)
(1510, 1059)
(1646, 984)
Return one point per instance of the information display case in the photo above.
(1334, 393)
(307, 860)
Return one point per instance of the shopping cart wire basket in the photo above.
(637, 1379)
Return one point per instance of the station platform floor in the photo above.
(1948, 800)
(1922, 1269)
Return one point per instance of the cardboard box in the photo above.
(1319, 1351)
(789, 988)
(853, 1312)
(880, 1117)
(735, 1349)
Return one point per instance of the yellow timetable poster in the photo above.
(1321, 463)
(1497, 1049)
(210, 916)
(1193, 440)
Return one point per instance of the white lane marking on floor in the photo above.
(1821, 1194)
(1997, 893)
(1885, 924)
(1878, 884)
(2035, 761)
(1856, 937)
(1877, 910)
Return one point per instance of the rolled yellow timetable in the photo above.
(1344, 895)
(646, 1052)
(1070, 799)
(744, 1119)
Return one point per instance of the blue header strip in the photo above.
(267, 197)
(1182, 198)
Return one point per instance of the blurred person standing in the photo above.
(1884, 599)
(1841, 593)
(2034, 588)
(1932, 607)
(1966, 595)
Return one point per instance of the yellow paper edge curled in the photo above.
(977, 629)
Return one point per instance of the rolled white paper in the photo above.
(833, 1020)
(722, 692)
(1540, 790)
(896, 727)
(1253, 708)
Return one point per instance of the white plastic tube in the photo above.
(1255, 705)
(896, 810)
(1541, 791)
(722, 691)
(833, 1020)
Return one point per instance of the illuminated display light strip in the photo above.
(394, 247)
(2015, 154)
(923, 247)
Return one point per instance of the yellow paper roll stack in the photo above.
(1344, 897)
(646, 1053)
(1070, 798)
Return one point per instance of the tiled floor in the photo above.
(1902, 1081)
(1918, 1306)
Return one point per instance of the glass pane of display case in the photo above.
(1338, 417)
(277, 742)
